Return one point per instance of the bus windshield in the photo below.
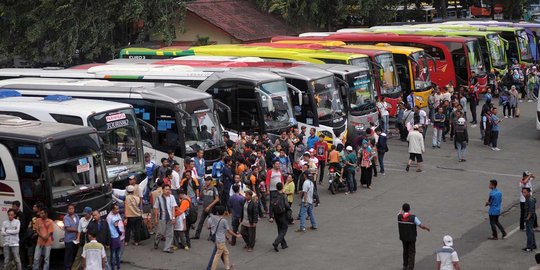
(74, 164)
(475, 57)
(360, 62)
(361, 93)
(282, 114)
(496, 51)
(388, 72)
(327, 98)
(120, 140)
(203, 130)
(420, 71)
(523, 43)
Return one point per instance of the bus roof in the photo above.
(342, 69)
(153, 91)
(73, 106)
(14, 128)
(167, 51)
(394, 49)
(323, 45)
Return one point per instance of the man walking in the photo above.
(306, 205)
(407, 224)
(236, 204)
(494, 202)
(164, 212)
(416, 148)
(249, 219)
(273, 177)
(71, 225)
(382, 148)
(447, 258)
(210, 198)
(10, 232)
(530, 217)
(321, 150)
(281, 219)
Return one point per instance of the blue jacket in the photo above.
(311, 141)
(495, 201)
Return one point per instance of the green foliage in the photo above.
(82, 30)
(202, 41)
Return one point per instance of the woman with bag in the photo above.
(365, 156)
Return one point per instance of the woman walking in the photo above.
(365, 164)
(461, 139)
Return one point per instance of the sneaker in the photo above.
(186, 248)
(495, 149)
(347, 193)
(418, 170)
(438, 146)
(511, 116)
(383, 173)
(407, 168)
(155, 245)
(527, 249)
(506, 117)
(275, 247)
(530, 100)
(196, 237)
(313, 228)
(300, 230)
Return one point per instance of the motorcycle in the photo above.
(335, 182)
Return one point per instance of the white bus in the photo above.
(52, 163)
(115, 122)
(182, 119)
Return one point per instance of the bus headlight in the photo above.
(360, 127)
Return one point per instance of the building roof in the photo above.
(239, 18)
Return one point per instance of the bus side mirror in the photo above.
(148, 132)
(305, 98)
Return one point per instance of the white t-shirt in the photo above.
(423, 117)
(171, 204)
(179, 225)
(307, 188)
(175, 181)
(93, 253)
(447, 256)
(528, 185)
(383, 108)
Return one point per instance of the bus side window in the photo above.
(67, 119)
(2, 171)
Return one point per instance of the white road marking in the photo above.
(512, 232)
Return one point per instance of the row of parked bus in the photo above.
(182, 100)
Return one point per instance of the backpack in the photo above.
(192, 214)
(278, 206)
(245, 177)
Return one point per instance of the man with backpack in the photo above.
(280, 208)
(273, 177)
(210, 198)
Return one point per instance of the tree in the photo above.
(67, 31)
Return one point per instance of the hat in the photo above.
(131, 176)
(311, 150)
(130, 189)
(348, 148)
(87, 210)
(415, 127)
(447, 239)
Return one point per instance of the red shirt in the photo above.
(321, 150)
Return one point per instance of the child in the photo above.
(180, 225)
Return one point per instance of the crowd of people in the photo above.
(258, 178)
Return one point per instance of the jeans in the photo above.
(494, 222)
(69, 254)
(380, 157)
(10, 252)
(282, 227)
(409, 251)
(249, 234)
(494, 138)
(307, 209)
(437, 136)
(351, 180)
(322, 166)
(204, 215)
(115, 258)
(46, 252)
(385, 123)
(235, 225)
(461, 150)
(522, 217)
(165, 230)
(221, 249)
(531, 241)
(134, 225)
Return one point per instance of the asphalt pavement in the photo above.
(359, 231)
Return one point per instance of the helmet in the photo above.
(461, 121)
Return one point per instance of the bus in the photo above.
(53, 163)
(147, 53)
(491, 44)
(182, 120)
(518, 41)
(453, 57)
(116, 124)
(387, 84)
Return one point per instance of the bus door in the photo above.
(10, 189)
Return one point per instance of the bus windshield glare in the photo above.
(282, 114)
(496, 50)
(120, 140)
(388, 74)
(421, 71)
(203, 130)
(73, 164)
(327, 98)
(475, 57)
(523, 43)
(361, 93)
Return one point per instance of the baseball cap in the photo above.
(87, 210)
(348, 148)
(526, 173)
(130, 188)
(448, 241)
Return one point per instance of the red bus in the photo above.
(455, 57)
